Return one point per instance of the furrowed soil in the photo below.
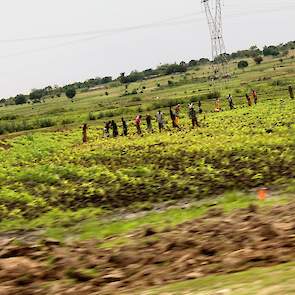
(216, 243)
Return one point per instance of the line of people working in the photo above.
(111, 127)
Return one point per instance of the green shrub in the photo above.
(44, 123)
(279, 83)
(135, 99)
(91, 117)
(8, 117)
(67, 121)
(213, 95)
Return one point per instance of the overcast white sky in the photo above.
(32, 64)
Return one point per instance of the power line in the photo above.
(131, 28)
(97, 36)
(95, 32)
(104, 33)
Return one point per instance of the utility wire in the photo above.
(97, 36)
(129, 28)
(103, 33)
(95, 32)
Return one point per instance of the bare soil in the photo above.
(4, 145)
(216, 243)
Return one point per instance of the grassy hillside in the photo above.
(254, 281)
(200, 183)
(185, 87)
(239, 149)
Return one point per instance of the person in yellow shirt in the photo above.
(217, 105)
(177, 115)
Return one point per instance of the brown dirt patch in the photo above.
(215, 243)
(4, 145)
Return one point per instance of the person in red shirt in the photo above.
(254, 94)
(138, 123)
(248, 100)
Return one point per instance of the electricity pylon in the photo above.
(214, 17)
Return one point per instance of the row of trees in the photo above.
(166, 69)
(257, 55)
(254, 51)
(37, 95)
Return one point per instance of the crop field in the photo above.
(151, 95)
(255, 147)
(110, 189)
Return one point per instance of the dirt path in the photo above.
(213, 244)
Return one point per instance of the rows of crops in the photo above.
(239, 149)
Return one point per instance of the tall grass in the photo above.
(13, 126)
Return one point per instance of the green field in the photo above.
(233, 150)
(192, 85)
(255, 281)
(51, 182)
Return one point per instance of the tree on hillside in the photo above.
(123, 79)
(71, 93)
(48, 90)
(135, 76)
(106, 79)
(243, 64)
(271, 50)
(254, 51)
(132, 77)
(221, 58)
(20, 99)
(175, 68)
(149, 72)
(203, 61)
(36, 95)
(258, 59)
(193, 63)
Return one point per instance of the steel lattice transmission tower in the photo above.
(214, 17)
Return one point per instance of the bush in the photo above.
(243, 64)
(67, 121)
(36, 95)
(271, 50)
(71, 93)
(175, 68)
(167, 103)
(2, 129)
(8, 117)
(10, 127)
(44, 123)
(112, 113)
(194, 99)
(20, 99)
(279, 83)
(55, 111)
(258, 60)
(135, 99)
(213, 95)
(91, 116)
